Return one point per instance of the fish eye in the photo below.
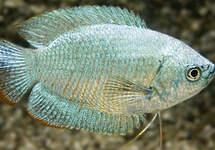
(193, 73)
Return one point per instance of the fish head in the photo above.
(183, 74)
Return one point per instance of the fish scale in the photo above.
(98, 69)
(60, 61)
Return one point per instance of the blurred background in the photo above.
(187, 126)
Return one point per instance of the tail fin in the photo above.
(14, 76)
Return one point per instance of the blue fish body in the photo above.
(98, 69)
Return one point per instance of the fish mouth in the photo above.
(211, 72)
(212, 69)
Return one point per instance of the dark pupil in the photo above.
(194, 73)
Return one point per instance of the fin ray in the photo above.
(120, 90)
(53, 110)
(41, 30)
(14, 78)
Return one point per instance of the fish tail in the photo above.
(14, 76)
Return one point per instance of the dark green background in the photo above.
(187, 126)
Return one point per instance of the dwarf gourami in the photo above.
(99, 69)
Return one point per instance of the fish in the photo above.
(98, 69)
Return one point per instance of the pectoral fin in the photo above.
(120, 90)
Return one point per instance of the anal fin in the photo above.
(51, 109)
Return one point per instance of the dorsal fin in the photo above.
(39, 31)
